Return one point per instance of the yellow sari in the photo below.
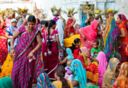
(68, 41)
(7, 67)
(58, 84)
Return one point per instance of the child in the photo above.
(95, 50)
(61, 82)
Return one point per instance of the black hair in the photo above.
(76, 41)
(60, 72)
(50, 25)
(44, 23)
(32, 18)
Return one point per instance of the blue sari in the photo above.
(79, 73)
(110, 38)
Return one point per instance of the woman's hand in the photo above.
(30, 55)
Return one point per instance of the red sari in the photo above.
(123, 41)
(69, 27)
(77, 55)
(44, 41)
(51, 60)
(3, 46)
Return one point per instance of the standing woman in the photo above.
(51, 59)
(110, 34)
(122, 25)
(88, 34)
(3, 42)
(27, 63)
(69, 29)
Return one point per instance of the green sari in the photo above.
(6, 82)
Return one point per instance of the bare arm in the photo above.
(122, 33)
(7, 36)
(63, 61)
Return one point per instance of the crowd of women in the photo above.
(62, 54)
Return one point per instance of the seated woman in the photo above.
(110, 73)
(122, 79)
(61, 82)
(102, 65)
(78, 72)
(43, 80)
(77, 52)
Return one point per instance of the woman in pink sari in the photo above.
(101, 66)
(27, 55)
(88, 34)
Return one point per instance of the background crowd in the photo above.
(60, 53)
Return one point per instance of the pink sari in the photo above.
(90, 33)
(24, 72)
(101, 67)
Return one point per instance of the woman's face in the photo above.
(31, 25)
(118, 19)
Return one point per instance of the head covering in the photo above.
(79, 73)
(69, 53)
(102, 61)
(94, 24)
(122, 17)
(112, 64)
(13, 20)
(110, 73)
(101, 66)
(111, 11)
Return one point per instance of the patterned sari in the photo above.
(24, 72)
(110, 73)
(110, 37)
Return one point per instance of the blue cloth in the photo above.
(83, 19)
(69, 53)
(43, 81)
(6, 82)
(10, 30)
(111, 39)
(79, 73)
